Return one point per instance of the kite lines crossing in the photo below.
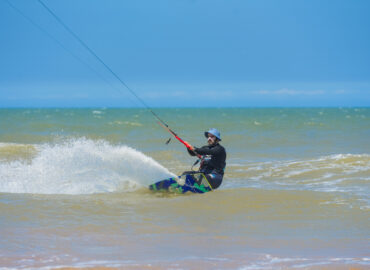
(91, 51)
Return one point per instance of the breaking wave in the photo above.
(344, 173)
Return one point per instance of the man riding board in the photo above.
(213, 158)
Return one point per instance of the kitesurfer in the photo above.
(213, 158)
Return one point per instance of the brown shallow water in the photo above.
(238, 229)
(73, 190)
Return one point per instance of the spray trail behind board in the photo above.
(78, 166)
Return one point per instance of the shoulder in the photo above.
(219, 148)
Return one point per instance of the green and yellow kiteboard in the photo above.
(194, 182)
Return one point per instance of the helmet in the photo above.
(214, 132)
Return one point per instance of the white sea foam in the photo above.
(328, 168)
(80, 166)
(271, 262)
(344, 173)
(97, 112)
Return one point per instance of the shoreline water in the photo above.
(73, 190)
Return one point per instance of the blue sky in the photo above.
(187, 53)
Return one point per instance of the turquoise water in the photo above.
(264, 132)
(295, 193)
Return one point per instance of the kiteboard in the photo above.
(194, 182)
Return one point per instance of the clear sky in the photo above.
(187, 53)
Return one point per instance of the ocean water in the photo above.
(73, 189)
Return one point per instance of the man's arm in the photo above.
(191, 152)
(205, 150)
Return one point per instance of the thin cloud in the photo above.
(190, 94)
(290, 92)
(219, 94)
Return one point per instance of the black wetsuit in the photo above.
(213, 163)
